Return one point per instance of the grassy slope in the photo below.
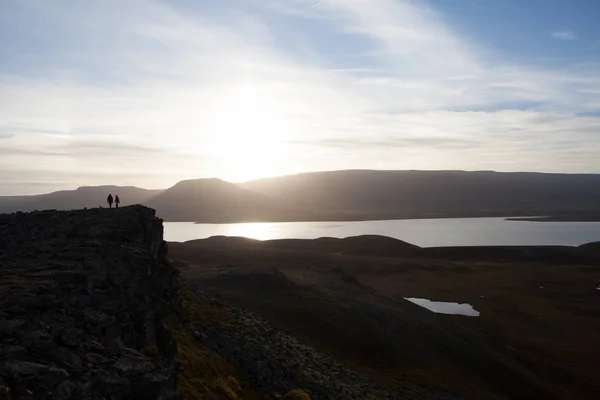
(393, 343)
(552, 331)
(204, 374)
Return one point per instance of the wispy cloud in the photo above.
(565, 35)
(148, 92)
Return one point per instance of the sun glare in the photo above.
(247, 136)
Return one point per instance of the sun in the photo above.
(248, 136)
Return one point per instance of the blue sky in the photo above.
(149, 92)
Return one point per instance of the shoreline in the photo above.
(365, 219)
(559, 218)
(512, 217)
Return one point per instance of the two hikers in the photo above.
(109, 200)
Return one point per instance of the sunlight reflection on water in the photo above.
(430, 232)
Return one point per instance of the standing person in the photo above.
(117, 201)
(109, 200)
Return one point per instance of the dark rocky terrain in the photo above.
(536, 336)
(279, 361)
(92, 308)
(85, 301)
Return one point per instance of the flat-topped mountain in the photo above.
(214, 200)
(348, 196)
(435, 193)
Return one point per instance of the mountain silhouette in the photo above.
(348, 195)
(435, 193)
(85, 196)
(214, 200)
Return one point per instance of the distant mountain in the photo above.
(86, 196)
(214, 200)
(409, 194)
(350, 195)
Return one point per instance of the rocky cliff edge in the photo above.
(86, 298)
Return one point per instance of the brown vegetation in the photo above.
(204, 374)
(542, 315)
(296, 394)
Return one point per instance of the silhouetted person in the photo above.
(109, 200)
(117, 201)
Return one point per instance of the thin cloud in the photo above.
(397, 143)
(164, 93)
(565, 35)
(6, 132)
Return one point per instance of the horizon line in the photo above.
(301, 173)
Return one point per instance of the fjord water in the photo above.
(422, 232)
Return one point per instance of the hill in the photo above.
(535, 337)
(414, 194)
(591, 248)
(377, 245)
(85, 196)
(91, 307)
(214, 200)
(351, 195)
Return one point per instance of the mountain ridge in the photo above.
(213, 200)
(82, 197)
(359, 194)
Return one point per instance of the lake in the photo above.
(422, 232)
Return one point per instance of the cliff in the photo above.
(86, 301)
(91, 308)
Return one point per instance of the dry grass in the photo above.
(204, 374)
(542, 315)
(296, 394)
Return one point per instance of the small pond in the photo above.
(444, 307)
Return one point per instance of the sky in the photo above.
(150, 92)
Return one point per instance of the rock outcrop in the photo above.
(277, 361)
(86, 301)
